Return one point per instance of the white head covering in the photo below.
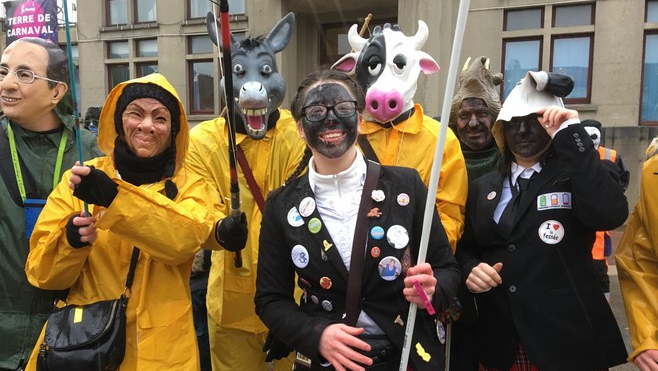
(535, 91)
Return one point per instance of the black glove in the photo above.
(231, 232)
(73, 234)
(96, 188)
(275, 348)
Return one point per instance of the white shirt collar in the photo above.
(525, 173)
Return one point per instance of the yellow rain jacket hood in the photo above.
(160, 329)
(637, 264)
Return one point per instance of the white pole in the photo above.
(436, 167)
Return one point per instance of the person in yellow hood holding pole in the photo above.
(139, 195)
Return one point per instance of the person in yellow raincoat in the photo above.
(637, 265)
(267, 137)
(141, 195)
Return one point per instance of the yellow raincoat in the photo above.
(637, 264)
(411, 143)
(160, 329)
(231, 290)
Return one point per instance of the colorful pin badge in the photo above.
(324, 255)
(378, 195)
(305, 296)
(326, 305)
(375, 251)
(551, 232)
(326, 245)
(307, 206)
(294, 219)
(299, 256)
(422, 353)
(325, 283)
(374, 213)
(491, 195)
(399, 320)
(314, 225)
(377, 232)
(403, 199)
(406, 260)
(440, 332)
(315, 300)
(389, 268)
(397, 236)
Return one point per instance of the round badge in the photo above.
(314, 225)
(326, 304)
(315, 300)
(325, 283)
(403, 199)
(378, 195)
(377, 232)
(491, 195)
(397, 237)
(389, 268)
(440, 332)
(375, 251)
(294, 219)
(551, 232)
(299, 256)
(307, 206)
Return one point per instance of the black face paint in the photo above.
(526, 137)
(333, 136)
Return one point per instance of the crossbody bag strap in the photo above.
(249, 176)
(364, 143)
(131, 271)
(353, 299)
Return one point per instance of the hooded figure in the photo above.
(474, 109)
(140, 195)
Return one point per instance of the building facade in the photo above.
(609, 46)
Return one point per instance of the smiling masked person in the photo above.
(140, 195)
(308, 230)
(37, 131)
(526, 249)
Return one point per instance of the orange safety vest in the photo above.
(598, 248)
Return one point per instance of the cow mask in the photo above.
(387, 65)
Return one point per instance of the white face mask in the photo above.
(595, 134)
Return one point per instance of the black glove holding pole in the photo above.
(73, 234)
(231, 232)
(96, 188)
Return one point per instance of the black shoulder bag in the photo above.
(87, 337)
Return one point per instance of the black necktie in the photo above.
(506, 221)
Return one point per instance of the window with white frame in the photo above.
(570, 40)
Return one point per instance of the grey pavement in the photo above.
(616, 302)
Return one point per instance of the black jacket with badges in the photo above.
(549, 299)
(301, 326)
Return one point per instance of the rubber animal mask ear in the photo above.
(257, 85)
